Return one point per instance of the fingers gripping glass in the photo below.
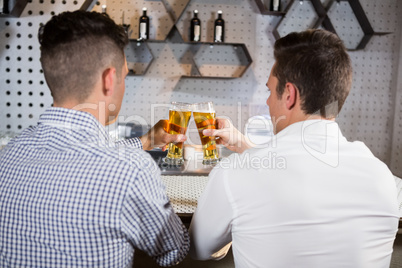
(179, 116)
(204, 117)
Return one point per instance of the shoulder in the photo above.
(247, 160)
(233, 166)
(134, 159)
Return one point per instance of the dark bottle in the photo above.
(219, 29)
(144, 25)
(275, 5)
(195, 30)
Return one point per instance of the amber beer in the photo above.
(179, 116)
(204, 117)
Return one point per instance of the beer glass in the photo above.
(204, 117)
(179, 116)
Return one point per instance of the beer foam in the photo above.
(180, 109)
(204, 110)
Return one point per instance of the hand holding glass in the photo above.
(204, 117)
(179, 116)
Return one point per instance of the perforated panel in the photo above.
(24, 94)
(396, 146)
(368, 114)
(372, 112)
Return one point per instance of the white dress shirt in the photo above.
(308, 199)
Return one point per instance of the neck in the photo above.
(305, 117)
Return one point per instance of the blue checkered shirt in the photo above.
(71, 197)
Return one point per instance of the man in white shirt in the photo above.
(310, 198)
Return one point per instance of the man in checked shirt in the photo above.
(69, 195)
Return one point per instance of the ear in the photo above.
(109, 79)
(291, 93)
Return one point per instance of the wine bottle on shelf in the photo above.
(275, 5)
(219, 29)
(144, 25)
(195, 30)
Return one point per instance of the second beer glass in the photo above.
(179, 116)
(204, 117)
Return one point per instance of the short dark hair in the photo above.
(317, 63)
(75, 48)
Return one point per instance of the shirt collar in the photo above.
(314, 127)
(73, 120)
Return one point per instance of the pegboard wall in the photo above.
(372, 113)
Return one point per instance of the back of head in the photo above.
(75, 49)
(317, 63)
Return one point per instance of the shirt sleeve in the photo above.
(210, 228)
(150, 223)
(133, 142)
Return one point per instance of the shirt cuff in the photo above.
(133, 142)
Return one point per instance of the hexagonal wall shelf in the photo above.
(88, 5)
(325, 16)
(344, 28)
(176, 7)
(220, 60)
(298, 23)
(139, 57)
(15, 8)
(209, 59)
